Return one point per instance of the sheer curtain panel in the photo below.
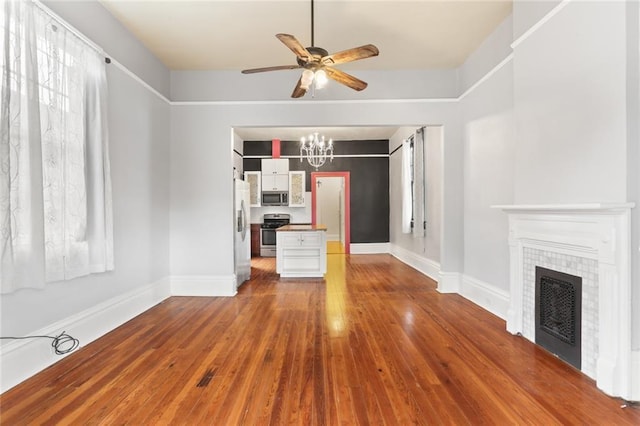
(407, 184)
(413, 185)
(55, 189)
(419, 197)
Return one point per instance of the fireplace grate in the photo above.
(558, 309)
(558, 314)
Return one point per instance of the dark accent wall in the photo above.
(369, 181)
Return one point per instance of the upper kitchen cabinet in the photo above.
(275, 166)
(296, 188)
(255, 190)
(275, 174)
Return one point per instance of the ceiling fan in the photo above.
(318, 64)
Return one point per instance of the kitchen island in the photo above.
(301, 251)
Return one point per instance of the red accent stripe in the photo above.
(275, 148)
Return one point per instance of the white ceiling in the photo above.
(240, 34)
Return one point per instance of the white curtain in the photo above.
(419, 217)
(21, 203)
(413, 185)
(407, 197)
(55, 190)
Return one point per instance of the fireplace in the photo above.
(591, 242)
(558, 313)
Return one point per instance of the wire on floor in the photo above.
(61, 344)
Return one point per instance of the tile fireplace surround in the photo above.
(591, 241)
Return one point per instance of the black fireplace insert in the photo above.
(558, 314)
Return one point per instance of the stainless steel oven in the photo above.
(271, 222)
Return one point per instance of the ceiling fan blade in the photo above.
(299, 91)
(346, 79)
(350, 55)
(292, 43)
(276, 68)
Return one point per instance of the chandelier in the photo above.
(315, 149)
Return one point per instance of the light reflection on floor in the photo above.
(336, 292)
(334, 247)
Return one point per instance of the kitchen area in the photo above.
(353, 202)
(281, 220)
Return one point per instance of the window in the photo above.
(413, 185)
(55, 201)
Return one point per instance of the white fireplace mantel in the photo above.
(595, 231)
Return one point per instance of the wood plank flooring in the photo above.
(335, 247)
(374, 343)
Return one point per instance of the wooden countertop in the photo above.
(302, 228)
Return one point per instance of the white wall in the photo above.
(570, 107)
(527, 13)
(139, 148)
(633, 152)
(493, 50)
(95, 22)
(576, 110)
(201, 210)
(489, 157)
(434, 137)
(555, 124)
(139, 154)
(271, 86)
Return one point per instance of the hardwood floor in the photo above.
(374, 344)
(335, 247)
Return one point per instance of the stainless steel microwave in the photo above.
(275, 198)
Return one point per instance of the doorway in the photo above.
(330, 206)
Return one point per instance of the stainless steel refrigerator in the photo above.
(242, 242)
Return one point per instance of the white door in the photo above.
(330, 206)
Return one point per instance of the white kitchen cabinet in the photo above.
(275, 166)
(301, 251)
(275, 174)
(275, 182)
(255, 188)
(297, 181)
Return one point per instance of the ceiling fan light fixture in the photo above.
(307, 79)
(320, 79)
(318, 64)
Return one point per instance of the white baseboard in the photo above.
(369, 248)
(482, 294)
(635, 376)
(485, 295)
(450, 282)
(21, 359)
(333, 237)
(203, 285)
(427, 266)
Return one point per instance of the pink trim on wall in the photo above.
(275, 148)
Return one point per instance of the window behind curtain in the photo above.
(413, 185)
(55, 187)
